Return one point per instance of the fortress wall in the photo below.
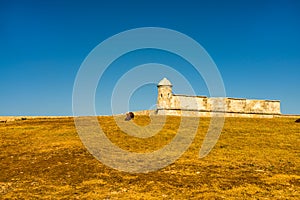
(262, 106)
(216, 104)
(184, 105)
(235, 105)
(253, 106)
(189, 102)
(273, 107)
(231, 105)
(209, 114)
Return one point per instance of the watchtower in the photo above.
(164, 96)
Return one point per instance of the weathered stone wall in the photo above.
(188, 102)
(262, 106)
(209, 114)
(164, 97)
(170, 104)
(231, 105)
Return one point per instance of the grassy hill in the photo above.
(253, 159)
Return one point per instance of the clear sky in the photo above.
(255, 45)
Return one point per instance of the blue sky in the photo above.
(255, 45)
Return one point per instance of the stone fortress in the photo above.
(202, 106)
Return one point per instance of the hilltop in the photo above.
(254, 158)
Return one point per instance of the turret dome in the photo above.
(164, 82)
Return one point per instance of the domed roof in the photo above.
(164, 82)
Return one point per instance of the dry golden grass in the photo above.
(253, 159)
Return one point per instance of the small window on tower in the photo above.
(160, 95)
(168, 95)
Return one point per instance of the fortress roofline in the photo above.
(164, 82)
